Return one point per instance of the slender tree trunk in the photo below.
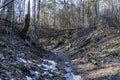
(26, 23)
(83, 13)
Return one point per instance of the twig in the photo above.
(6, 4)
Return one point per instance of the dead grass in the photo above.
(103, 72)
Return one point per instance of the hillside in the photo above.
(94, 55)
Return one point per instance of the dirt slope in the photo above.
(93, 54)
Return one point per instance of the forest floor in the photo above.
(21, 61)
(84, 54)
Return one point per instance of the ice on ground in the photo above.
(36, 73)
(49, 65)
(53, 64)
(69, 76)
(39, 65)
(50, 61)
(22, 60)
(28, 78)
(68, 69)
(30, 62)
(77, 77)
(55, 52)
(46, 67)
(45, 73)
(50, 75)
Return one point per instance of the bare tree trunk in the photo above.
(24, 31)
(38, 18)
(83, 13)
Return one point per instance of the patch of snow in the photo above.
(28, 78)
(45, 73)
(22, 60)
(46, 67)
(36, 73)
(68, 69)
(12, 79)
(50, 75)
(55, 52)
(69, 76)
(52, 70)
(39, 65)
(50, 61)
(77, 77)
(0, 79)
(30, 62)
(49, 65)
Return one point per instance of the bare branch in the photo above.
(6, 4)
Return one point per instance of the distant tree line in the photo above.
(59, 14)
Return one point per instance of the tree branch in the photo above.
(6, 4)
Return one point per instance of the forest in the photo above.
(59, 39)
